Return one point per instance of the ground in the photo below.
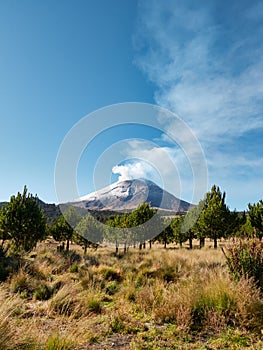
(146, 299)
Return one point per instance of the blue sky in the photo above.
(61, 60)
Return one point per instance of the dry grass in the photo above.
(171, 298)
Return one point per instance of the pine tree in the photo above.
(88, 232)
(256, 217)
(22, 221)
(215, 217)
(62, 231)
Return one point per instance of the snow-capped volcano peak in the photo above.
(128, 194)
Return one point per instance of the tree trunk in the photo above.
(215, 242)
(181, 244)
(85, 249)
(144, 245)
(140, 246)
(150, 243)
(190, 243)
(125, 248)
(67, 246)
(202, 242)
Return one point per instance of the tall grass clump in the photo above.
(22, 284)
(208, 302)
(5, 331)
(55, 342)
(67, 302)
(245, 259)
(10, 337)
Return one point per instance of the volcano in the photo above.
(128, 195)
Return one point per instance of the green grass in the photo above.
(56, 342)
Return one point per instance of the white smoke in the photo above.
(130, 171)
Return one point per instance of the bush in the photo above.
(20, 283)
(111, 288)
(117, 325)
(245, 259)
(8, 265)
(94, 305)
(3, 272)
(111, 274)
(42, 293)
(74, 268)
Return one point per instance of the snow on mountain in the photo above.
(127, 195)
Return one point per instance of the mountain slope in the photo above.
(127, 195)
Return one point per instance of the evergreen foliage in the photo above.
(22, 221)
(256, 217)
(62, 231)
(88, 232)
(215, 217)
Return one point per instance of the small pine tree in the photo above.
(22, 221)
(215, 217)
(255, 213)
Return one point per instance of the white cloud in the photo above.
(169, 167)
(201, 85)
(208, 69)
(207, 85)
(130, 171)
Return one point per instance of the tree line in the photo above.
(23, 224)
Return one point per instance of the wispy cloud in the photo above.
(206, 60)
(168, 166)
(204, 71)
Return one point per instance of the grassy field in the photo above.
(148, 299)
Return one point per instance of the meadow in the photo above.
(145, 299)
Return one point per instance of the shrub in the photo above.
(245, 259)
(71, 256)
(74, 268)
(94, 305)
(111, 288)
(91, 261)
(3, 272)
(20, 283)
(117, 325)
(111, 274)
(42, 293)
(32, 270)
(130, 294)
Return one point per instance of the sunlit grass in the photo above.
(157, 296)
